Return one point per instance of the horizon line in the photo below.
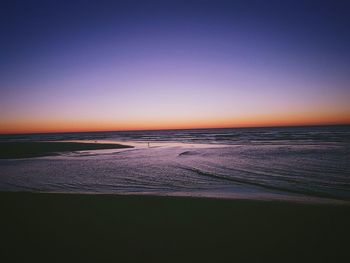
(175, 129)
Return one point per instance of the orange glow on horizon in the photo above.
(264, 120)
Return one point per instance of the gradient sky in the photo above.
(123, 65)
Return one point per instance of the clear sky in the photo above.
(123, 65)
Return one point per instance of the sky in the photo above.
(136, 65)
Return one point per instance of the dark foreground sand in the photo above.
(107, 228)
(13, 150)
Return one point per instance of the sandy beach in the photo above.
(112, 228)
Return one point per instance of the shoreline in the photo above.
(301, 200)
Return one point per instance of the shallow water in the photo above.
(302, 163)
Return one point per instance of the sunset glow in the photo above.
(172, 65)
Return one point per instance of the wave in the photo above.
(267, 185)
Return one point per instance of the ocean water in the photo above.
(307, 164)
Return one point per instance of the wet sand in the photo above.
(14, 150)
(112, 228)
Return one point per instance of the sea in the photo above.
(300, 164)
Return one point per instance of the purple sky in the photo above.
(168, 64)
